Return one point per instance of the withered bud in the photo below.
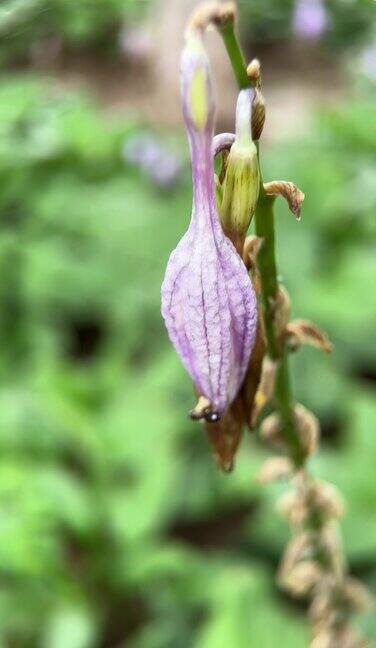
(307, 428)
(271, 431)
(302, 331)
(288, 190)
(281, 311)
(216, 13)
(331, 545)
(275, 468)
(358, 596)
(225, 435)
(322, 607)
(252, 246)
(258, 115)
(336, 635)
(254, 72)
(265, 390)
(301, 579)
(327, 500)
(293, 507)
(299, 548)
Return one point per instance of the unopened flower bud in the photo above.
(253, 72)
(208, 302)
(242, 181)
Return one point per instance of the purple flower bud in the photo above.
(310, 19)
(208, 301)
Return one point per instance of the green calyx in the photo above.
(241, 184)
(240, 189)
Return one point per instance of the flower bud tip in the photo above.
(254, 72)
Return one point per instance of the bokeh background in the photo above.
(116, 529)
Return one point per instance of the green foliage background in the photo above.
(115, 527)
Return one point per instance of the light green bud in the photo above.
(240, 188)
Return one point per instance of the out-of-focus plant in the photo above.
(79, 24)
(25, 25)
(340, 24)
(209, 312)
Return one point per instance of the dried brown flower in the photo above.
(288, 190)
(275, 468)
(302, 331)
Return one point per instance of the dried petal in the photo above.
(302, 331)
(271, 431)
(302, 578)
(299, 548)
(217, 13)
(208, 301)
(280, 310)
(358, 595)
(327, 500)
(225, 435)
(265, 390)
(293, 507)
(307, 428)
(288, 190)
(252, 246)
(253, 374)
(275, 468)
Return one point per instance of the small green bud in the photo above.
(242, 180)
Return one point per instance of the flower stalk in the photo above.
(237, 351)
(313, 566)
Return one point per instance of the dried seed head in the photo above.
(288, 190)
(275, 468)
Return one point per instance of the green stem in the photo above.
(264, 225)
(235, 55)
(264, 219)
(267, 265)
